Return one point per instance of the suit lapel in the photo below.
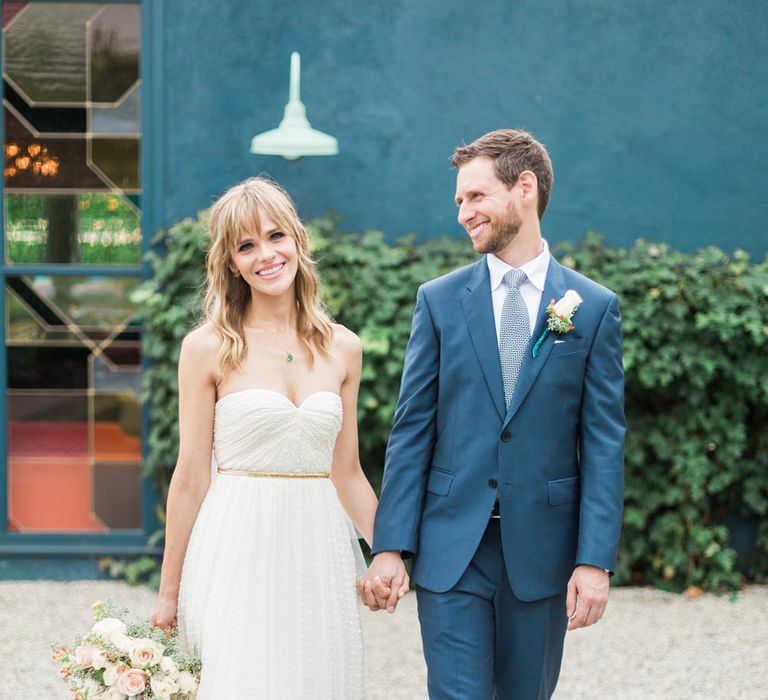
(554, 288)
(478, 312)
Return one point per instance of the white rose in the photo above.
(163, 688)
(114, 631)
(109, 627)
(144, 652)
(91, 686)
(123, 642)
(169, 666)
(110, 674)
(187, 682)
(567, 305)
(84, 655)
(114, 694)
(99, 659)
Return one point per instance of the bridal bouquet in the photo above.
(115, 661)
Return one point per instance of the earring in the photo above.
(235, 273)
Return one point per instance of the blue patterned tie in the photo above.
(514, 332)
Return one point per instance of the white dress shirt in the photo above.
(531, 290)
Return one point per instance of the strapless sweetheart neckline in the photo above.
(281, 395)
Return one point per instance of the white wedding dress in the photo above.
(267, 595)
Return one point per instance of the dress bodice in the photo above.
(263, 430)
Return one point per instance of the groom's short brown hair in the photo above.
(512, 151)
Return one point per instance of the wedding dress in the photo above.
(267, 595)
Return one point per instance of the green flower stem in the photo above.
(536, 347)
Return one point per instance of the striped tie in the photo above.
(514, 333)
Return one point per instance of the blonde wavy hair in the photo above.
(227, 297)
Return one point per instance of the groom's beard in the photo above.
(503, 232)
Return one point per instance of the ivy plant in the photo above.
(695, 330)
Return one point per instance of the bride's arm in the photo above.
(192, 475)
(353, 489)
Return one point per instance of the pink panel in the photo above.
(11, 9)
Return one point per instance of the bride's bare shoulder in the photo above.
(201, 344)
(346, 342)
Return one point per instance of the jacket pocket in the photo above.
(439, 481)
(563, 490)
(567, 347)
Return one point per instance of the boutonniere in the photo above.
(559, 317)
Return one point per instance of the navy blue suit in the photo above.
(554, 460)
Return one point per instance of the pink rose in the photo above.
(145, 652)
(132, 682)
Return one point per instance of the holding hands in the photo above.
(385, 582)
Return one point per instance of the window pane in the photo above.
(38, 162)
(24, 325)
(49, 475)
(88, 303)
(117, 455)
(37, 120)
(71, 115)
(120, 119)
(114, 52)
(45, 50)
(74, 409)
(118, 160)
(87, 228)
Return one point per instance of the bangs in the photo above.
(240, 215)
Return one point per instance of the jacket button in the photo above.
(492, 483)
(505, 437)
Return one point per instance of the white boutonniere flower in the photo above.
(559, 317)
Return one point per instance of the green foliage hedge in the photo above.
(695, 352)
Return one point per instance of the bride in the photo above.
(260, 561)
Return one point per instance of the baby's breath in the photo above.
(76, 663)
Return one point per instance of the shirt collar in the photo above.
(536, 269)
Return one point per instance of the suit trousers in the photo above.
(481, 642)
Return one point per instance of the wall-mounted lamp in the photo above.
(294, 137)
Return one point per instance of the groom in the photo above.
(504, 469)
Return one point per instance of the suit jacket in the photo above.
(554, 459)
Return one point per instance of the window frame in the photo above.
(119, 542)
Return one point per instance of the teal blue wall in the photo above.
(654, 113)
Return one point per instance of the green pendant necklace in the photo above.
(289, 356)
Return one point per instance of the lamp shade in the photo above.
(294, 137)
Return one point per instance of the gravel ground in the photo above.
(650, 645)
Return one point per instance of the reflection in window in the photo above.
(71, 115)
(99, 229)
(114, 52)
(74, 409)
(72, 195)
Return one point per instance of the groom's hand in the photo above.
(385, 582)
(587, 596)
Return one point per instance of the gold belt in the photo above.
(275, 475)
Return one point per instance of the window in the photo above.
(72, 244)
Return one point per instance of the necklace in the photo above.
(289, 356)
